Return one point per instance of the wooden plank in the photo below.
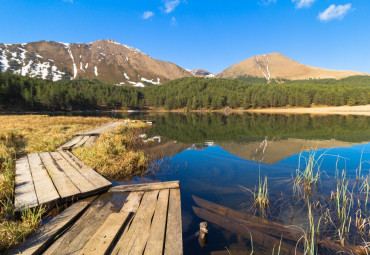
(99, 181)
(69, 144)
(134, 239)
(103, 239)
(173, 244)
(102, 129)
(158, 228)
(146, 186)
(64, 185)
(72, 241)
(44, 187)
(75, 176)
(24, 191)
(81, 142)
(132, 202)
(90, 141)
(45, 235)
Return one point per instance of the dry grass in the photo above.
(20, 134)
(117, 154)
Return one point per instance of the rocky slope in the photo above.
(105, 60)
(277, 66)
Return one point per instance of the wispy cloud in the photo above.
(170, 5)
(68, 1)
(335, 12)
(267, 2)
(173, 21)
(303, 3)
(148, 14)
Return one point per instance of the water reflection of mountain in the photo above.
(271, 152)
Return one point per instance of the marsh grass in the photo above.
(21, 134)
(117, 154)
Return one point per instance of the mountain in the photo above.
(277, 66)
(105, 60)
(202, 73)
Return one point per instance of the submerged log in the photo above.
(249, 233)
(270, 228)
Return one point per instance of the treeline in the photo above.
(36, 94)
(203, 93)
(189, 93)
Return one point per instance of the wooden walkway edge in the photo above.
(149, 222)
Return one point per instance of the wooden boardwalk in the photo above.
(59, 176)
(149, 222)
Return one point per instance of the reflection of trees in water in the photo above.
(198, 128)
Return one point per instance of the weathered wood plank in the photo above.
(132, 202)
(83, 184)
(64, 185)
(173, 244)
(90, 141)
(158, 228)
(134, 239)
(82, 141)
(72, 241)
(69, 144)
(45, 235)
(103, 239)
(146, 186)
(102, 129)
(44, 187)
(24, 192)
(99, 181)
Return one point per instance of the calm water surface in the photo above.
(214, 155)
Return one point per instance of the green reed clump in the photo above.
(306, 179)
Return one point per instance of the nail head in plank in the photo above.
(44, 187)
(158, 228)
(46, 234)
(99, 181)
(75, 176)
(146, 186)
(173, 244)
(103, 239)
(24, 192)
(64, 185)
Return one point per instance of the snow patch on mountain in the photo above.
(67, 46)
(158, 82)
(96, 71)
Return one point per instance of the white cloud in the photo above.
(170, 5)
(173, 21)
(335, 12)
(303, 3)
(148, 14)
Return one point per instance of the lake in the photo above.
(221, 159)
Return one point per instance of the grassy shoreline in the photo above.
(22, 134)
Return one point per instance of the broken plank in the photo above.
(73, 240)
(24, 191)
(139, 227)
(44, 187)
(81, 142)
(158, 227)
(83, 184)
(103, 239)
(173, 244)
(146, 186)
(45, 235)
(63, 184)
(69, 144)
(90, 141)
(99, 181)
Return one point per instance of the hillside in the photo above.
(106, 60)
(277, 66)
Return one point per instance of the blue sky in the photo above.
(203, 34)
